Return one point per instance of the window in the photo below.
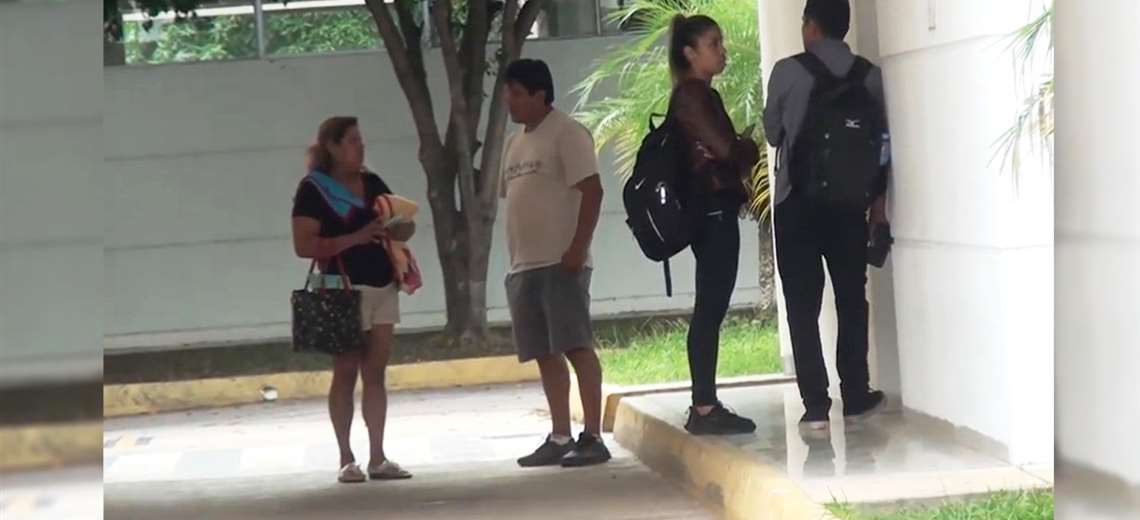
(252, 29)
(567, 19)
(560, 19)
(611, 26)
(608, 8)
(312, 27)
(220, 30)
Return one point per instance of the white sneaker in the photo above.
(351, 474)
(815, 426)
(388, 470)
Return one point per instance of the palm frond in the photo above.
(1027, 39)
(1033, 123)
(760, 193)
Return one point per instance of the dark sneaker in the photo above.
(719, 421)
(589, 451)
(816, 419)
(864, 406)
(549, 454)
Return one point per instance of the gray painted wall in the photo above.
(51, 239)
(201, 164)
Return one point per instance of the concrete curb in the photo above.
(39, 446)
(744, 487)
(613, 394)
(146, 398)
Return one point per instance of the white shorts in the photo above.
(379, 305)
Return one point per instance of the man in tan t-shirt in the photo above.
(553, 198)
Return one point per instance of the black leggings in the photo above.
(716, 246)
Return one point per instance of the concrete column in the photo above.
(973, 260)
(780, 34)
(1098, 252)
(51, 228)
(884, 354)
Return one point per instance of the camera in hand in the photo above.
(879, 244)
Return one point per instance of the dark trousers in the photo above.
(716, 247)
(807, 234)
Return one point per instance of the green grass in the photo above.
(1034, 505)
(656, 352)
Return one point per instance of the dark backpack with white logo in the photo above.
(836, 156)
(653, 198)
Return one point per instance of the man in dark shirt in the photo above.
(808, 232)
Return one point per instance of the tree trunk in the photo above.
(465, 263)
(478, 259)
(462, 189)
(464, 246)
(766, 307)
(114, 49)
(114, 53)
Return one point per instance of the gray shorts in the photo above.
(550, 311)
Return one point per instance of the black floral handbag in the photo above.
(327, 320)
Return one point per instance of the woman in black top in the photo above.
(333, 218)
(720, 161)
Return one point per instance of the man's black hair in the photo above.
(832, 16)
(533, 75)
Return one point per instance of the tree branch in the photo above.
(474, 53)
(523, 24)
(516, 26)
(412, 78)
(475, 33)
(510, 14)
(441, 16)
(412, 33)
(493, 148)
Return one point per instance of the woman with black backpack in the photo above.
(719, 162)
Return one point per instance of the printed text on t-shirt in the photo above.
(524, 168)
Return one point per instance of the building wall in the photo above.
(1098, 251)
(884, 348)
(202, 161)
(51, 243)
(973, 261)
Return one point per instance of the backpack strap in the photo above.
(828, 86)
(859, 70)
(818, 70)
(857, 77)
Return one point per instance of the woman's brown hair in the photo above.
(685, 32)
(332, 131)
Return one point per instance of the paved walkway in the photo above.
(883, 459)
(279, 460)
(63, 494)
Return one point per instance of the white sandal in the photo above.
(351, 474)
(388, 470)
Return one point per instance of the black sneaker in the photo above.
(864, 406)
(719, 421)
(817, 419)
(589, 450)
(549, 454)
